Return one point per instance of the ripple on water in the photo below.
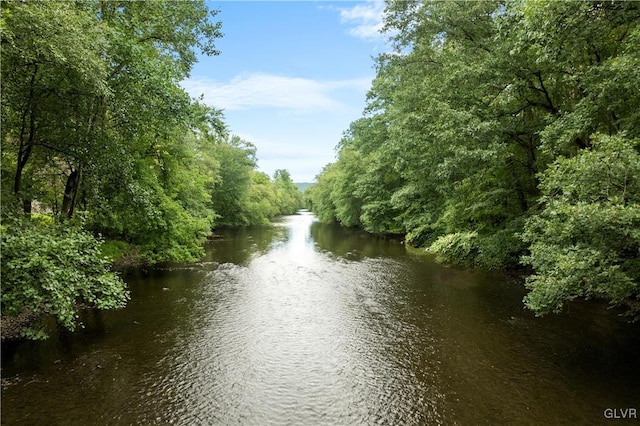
(303, 343)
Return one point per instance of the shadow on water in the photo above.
(354, 244)
(504, 366)
(240, 245)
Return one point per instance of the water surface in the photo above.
(309, 324)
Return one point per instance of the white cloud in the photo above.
(283, 147)
(366, 20)
(273, 91)
(302, 155)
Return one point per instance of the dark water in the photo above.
(309, 324)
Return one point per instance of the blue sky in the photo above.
(291, 76)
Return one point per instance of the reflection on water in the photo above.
(306, 323)
(240, 245)
(353, 244)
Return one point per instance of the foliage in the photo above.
(459, 248)
(319, 195)
(96, 124)
(262, 204)
(55, 269)
(93, 116)
(585, 242)
(288, 196)
(481, 108)
(117, 251)
(230, 193)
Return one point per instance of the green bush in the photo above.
(57, 270)
(419, 235)
(586, 240)
(502, 248)
(43, 219)
(459, 248)
(119, 252)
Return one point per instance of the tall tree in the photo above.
(54, 77)
(288, 197)
(230, 195)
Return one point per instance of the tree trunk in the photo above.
(26, 206)
(71, 193)
(24, 151)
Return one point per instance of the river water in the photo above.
(304, 323)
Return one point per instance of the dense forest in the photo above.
(105, 157)
(504, 135)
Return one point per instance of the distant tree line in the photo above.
(502, 133)
(100, 142)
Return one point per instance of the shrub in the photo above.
(57, 270)
(458, 249)
(585, 242)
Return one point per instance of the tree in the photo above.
(262, 201)
(585, 242)
(149, 188)
(53, 79)
(320, 194)
(288, 197)
(230, 196)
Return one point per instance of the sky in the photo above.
(291, 76)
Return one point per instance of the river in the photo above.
(304, 323)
